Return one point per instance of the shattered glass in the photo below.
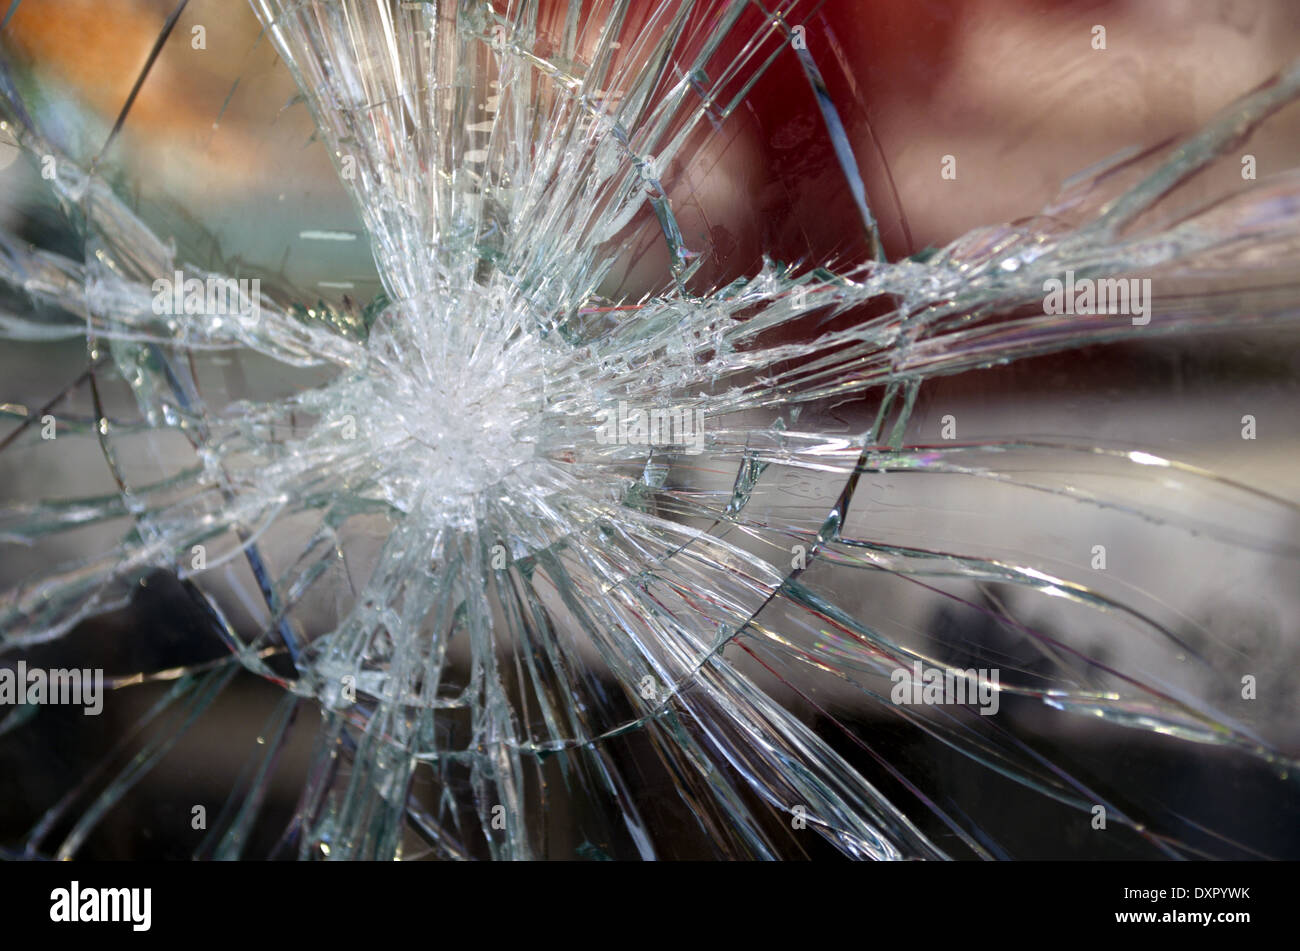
(547, 429)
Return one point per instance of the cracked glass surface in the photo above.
(372, 574)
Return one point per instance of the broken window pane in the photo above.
(614, 430)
